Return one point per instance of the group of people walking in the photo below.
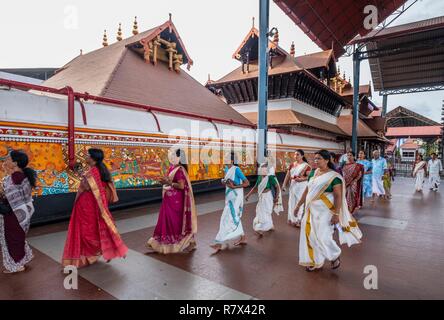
(322, 199)
(422, 169)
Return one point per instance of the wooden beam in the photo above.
(244, 91)
(250, 90)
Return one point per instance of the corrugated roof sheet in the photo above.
(328, 22)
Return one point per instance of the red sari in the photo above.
(92, 231)
(177, 222)
(353, 173)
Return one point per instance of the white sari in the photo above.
(230, 227)
(296, 191)
(316, 243)
(419, 174)
(265, 206)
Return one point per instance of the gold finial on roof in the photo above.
(81, 52)
(343, 75)
(253, 22)
(292, 49)
(339, 70)
(119, 33)
(105, 39)
(276, 37)
(135, 27)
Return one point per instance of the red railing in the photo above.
(73, 96)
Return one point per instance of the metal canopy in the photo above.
(334, 23)
(406, 58)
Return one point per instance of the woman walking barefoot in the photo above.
(298, 175)
(230, 227)
(177, 223)
(269, 201)
(16, 210)
(92, 232)
(325, 208)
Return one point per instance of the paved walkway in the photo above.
(403, 238)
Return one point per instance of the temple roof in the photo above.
(118, 71)
(423, 131)
(284, 64)
(403, 117)
(315, 60)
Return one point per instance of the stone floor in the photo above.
(403, 239)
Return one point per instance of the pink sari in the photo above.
(92, 231)
(177, 222)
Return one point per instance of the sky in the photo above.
(49, 33)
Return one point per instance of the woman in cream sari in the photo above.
(419, 172)
(230, 227)
(325, 208)
(297, 174)
(270, 199)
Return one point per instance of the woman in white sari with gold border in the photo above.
(419, 172)
(297, 174)
(325, 208)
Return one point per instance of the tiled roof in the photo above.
(345, 123)
(117, 72)
(413, 131)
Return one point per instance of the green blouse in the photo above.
(272, 182)
(335, 181)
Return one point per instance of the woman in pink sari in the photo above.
(353, 173)
(177, 223)
(92, 232)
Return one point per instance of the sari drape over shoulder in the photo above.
(419, 174)
(92, 231)
(15, 219)
(296, 191)
(230, 227)
(316, 243)
(177, 223)
(353, 173)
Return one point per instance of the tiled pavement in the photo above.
(403, 238)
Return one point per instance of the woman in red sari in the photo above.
(92, 232)
(353, 173)
(177, 223)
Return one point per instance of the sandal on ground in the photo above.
(259, 234)
(310, 269)
(336, 264)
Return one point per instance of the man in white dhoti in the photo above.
(325, 207)
(379, 165)
(435, 168)
(270, 199)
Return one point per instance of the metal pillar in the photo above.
(384, 105)
(264, 8)
(356, 73)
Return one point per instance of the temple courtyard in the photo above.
(402, 241)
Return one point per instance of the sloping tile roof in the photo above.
(280, 65)
(117, 72)
(413, 131)
(314, 60)
(288, 117)
(345, 123)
